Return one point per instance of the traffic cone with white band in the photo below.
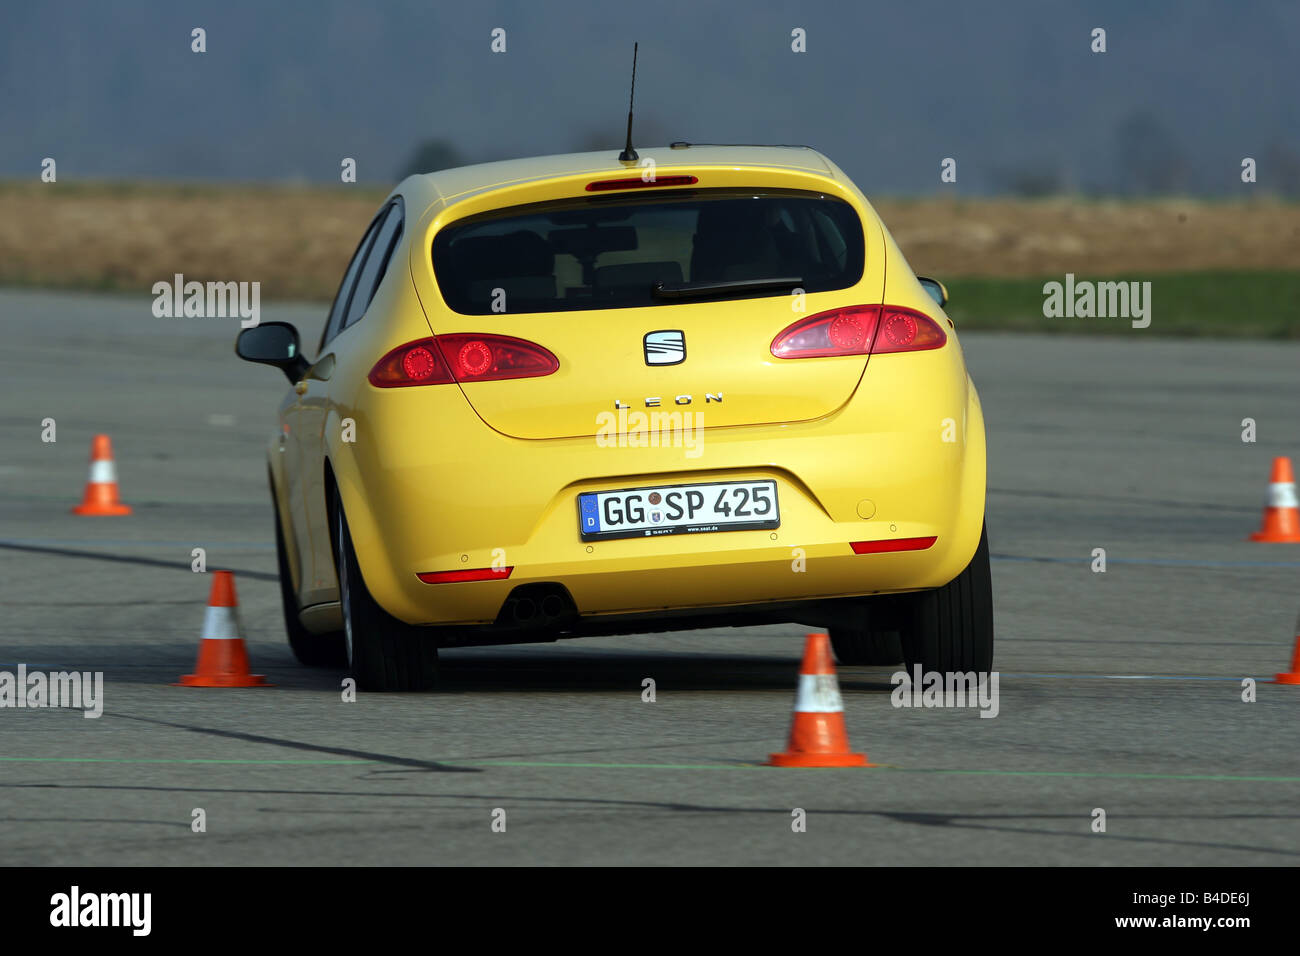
(223, 661)
(101, 490)
(817, 735)
(1282, 513)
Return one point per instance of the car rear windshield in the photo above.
(631, 251)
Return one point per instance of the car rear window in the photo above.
(610, 252)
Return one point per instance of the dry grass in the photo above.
(1049, 237)
(296, 241)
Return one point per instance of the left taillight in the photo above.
(461, 357)
(859, 330)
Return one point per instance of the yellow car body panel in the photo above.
(471, 476)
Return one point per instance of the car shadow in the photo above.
(508, 669)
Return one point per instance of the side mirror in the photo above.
(273, 343)
(938, 291)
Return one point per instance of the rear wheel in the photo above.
(383, 652)
(314, 650)
(950, 629)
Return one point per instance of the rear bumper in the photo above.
(879, 469)
(750, 569)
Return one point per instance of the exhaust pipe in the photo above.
(552, 607)
(539, 605)
(525, 610)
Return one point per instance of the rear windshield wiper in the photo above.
(687, 290)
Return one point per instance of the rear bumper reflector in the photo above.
(893, 544)
(469, 574)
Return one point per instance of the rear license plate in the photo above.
(678, 509)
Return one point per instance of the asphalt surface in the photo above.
(1119, 690)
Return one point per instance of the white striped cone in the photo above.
(223, 659)
(817, 735)
(101, 496)
(1282, 512)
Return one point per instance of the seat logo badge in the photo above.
(665, 347)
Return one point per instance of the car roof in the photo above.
(451, 185)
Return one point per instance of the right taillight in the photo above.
(859, 330)
(461, 357)
(906, 330)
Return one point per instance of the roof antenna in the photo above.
(629, 154)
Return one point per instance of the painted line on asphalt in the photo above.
(175, 760)
(127, 559)
(1228, 778)
(560, 765)
(1235, 680)
(1150, 562)
(122, 543)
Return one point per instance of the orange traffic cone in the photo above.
(1293, 675)
(101, 489)
(223, 661)
(817, 737)
(1281, 514)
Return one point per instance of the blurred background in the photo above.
(225, 164)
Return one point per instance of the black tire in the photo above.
(950, 629)
(385, 654)
(313, 650)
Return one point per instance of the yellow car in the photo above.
(575, 395)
